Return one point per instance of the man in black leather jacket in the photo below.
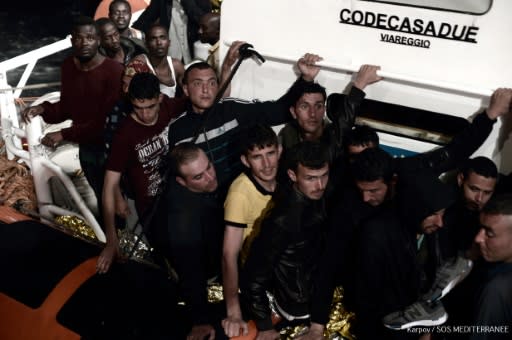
(310, 107)
(283, 256)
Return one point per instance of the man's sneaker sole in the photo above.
(415, 323)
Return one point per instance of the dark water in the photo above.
(23, 29)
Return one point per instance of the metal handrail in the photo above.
(30, 59)
(31, 86)
(42, 167)
(352, 68)
(87, 215)
(38, 161)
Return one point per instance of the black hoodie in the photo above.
(390, 273)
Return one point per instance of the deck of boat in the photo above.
(131, 301)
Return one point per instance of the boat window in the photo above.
(464, 6)
(409, 122)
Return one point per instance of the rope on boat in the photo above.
(16, 184)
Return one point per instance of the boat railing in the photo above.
(404, 78)
(42, 167)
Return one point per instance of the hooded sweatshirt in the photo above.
(392, 272)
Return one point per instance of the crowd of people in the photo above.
(282, 219)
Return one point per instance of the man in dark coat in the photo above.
(283, 257)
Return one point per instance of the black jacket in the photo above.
(341, 110)
(494, 305)
(349, 212)
(338, 261)
(449, 157)
(160, 11)
(283, 257)
(188, 230)
(392, 271)
(132, 47)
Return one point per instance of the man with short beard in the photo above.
(168, 70)
(120, 12)
(398, 248)
(284, 255)
(494, 305)
(91, 85)
(116, 46)
(476, 181)
(312, 105)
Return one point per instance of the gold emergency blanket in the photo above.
(215, 293)
(338, 327)
(76, 226)
(131, 245)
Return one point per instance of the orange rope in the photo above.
(16, 184)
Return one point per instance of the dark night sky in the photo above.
(86, 7)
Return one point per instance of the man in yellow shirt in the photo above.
(246, 203)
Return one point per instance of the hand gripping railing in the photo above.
(423, 82)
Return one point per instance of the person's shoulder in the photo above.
(239, 181)
(244, 187)
(183, 204)
(68, 64)
(182, 121)
(170, 105)
(126, 128)
(381, 222)
(135, 43)
(68, 60)
(214, 47)
(141, 57)
(182, 198)
(502, 279)
(497, 291)
(288, 203)
(112, 66)
(289, 127)
(136, 34)
(176, 62)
